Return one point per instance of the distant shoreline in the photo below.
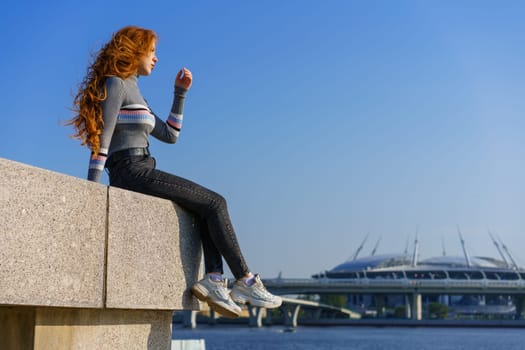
(374, 323)
(414, 323)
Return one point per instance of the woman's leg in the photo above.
(212, 256)
(139, 174)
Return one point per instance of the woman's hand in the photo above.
(184, 78)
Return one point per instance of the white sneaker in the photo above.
(216, 294)
(255, 294)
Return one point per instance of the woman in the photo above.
(114, 121)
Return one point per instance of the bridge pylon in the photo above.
(255, 316)
(291, 313)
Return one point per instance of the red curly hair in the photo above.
(120, 57)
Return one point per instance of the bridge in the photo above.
(287, 286)
(412, 289)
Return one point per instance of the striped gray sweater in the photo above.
(128, 121)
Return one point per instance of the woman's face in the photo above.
(147, 63)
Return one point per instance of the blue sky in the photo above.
(319, 121)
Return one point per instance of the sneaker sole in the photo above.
(216, 307)
(255, 303)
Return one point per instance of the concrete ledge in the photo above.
(150, 266)
(52, 239)
(82, 263)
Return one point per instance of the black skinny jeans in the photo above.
(138, 173)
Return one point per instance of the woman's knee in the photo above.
(218, 202)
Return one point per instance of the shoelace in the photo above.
(222, 290)
(262, 290)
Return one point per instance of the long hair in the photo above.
(120, 57)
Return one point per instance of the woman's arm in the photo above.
(110, 109)
(170, 130)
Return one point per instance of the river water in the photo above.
(358, 338)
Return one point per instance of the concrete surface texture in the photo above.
(81, 263)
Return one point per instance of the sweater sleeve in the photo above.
(169, 131)
(110, 109)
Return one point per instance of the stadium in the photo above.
(440, 270)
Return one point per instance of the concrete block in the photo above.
(101, 329)
(149, 265)
(52, 238)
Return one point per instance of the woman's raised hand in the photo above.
(184, 78)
